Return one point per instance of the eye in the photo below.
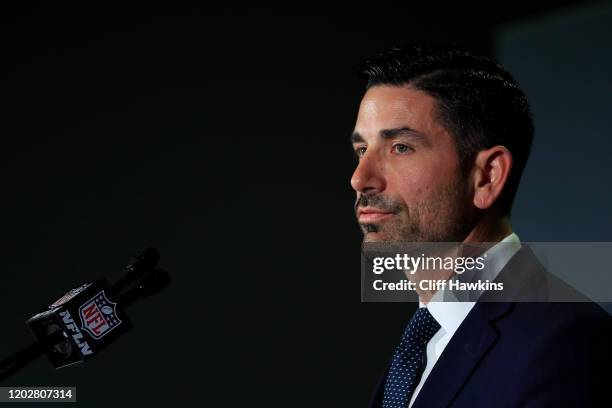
(402, 148)
(360, 151)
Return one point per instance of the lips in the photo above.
(371, 215)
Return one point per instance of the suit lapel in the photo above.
(473, 339)
(471, 342)
(523, 276)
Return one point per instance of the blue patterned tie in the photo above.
(407, 365)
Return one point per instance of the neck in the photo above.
(491, 227)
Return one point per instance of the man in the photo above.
(442, 137)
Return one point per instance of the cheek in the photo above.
(415, 184)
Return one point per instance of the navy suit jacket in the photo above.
(518, 354)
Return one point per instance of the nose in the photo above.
(368, 176)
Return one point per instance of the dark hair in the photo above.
(479, 102)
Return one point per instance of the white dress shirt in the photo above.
(450, 315)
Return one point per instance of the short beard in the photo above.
(369, 227)
(445, 216)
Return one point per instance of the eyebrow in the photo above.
(356, 137)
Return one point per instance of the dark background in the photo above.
(220, 137)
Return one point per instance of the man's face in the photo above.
(408, 180)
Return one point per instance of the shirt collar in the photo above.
(451, 314)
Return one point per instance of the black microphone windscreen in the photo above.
(142, 264)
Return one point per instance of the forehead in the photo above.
(386, 106)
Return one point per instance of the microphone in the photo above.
(143, 263)
(151, 283)
(88, 318)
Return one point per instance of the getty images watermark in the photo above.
(432, 266)
(491, 272)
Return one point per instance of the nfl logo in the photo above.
(99, 316)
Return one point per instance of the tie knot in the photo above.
(421, 328)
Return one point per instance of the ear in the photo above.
(491, 170)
